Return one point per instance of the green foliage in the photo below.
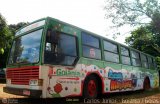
(142, 13)
(5, 40)
(5, 35)
(145, 39)
(133, 12)
(142, 39)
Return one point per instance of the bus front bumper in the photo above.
(23, 92)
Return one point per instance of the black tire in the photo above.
(90, 89)
(146, 84)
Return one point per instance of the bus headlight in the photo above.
(36, 82)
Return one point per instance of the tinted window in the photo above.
(111, 52)
(144, 57)
(67, 44)
(60, 49)
(151, 66)
(144, 61)
(90, 40)
(90, 46)
(124, 51)
(91, 52)
(136, 62)
(135, 58)
(150, 62)
(155, 64)
(125, 56)
(111, 57)
(135, 54)
(126, 60)
(110, 47)
(145, 64)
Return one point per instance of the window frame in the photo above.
(20, 36)
(128, 56)
(111, 51)
(77, 48)
(93, 37)
(90, 46)
(75, 42)
(155, 64)
(144, 60)
(150, 63)
(136, 58)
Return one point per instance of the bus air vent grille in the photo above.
(21, 76)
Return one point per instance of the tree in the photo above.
(143, 39)
(5, 35)
(5, 38)
(142, 13)
(133, 12)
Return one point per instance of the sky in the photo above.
(86, 14)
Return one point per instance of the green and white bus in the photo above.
(50, 58)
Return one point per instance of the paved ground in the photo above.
(6, 95)
(137, 97)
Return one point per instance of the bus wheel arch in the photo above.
(92, 78)
(146, 83)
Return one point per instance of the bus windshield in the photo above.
(25, 49)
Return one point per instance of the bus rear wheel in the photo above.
(90, 87)
(146, 84)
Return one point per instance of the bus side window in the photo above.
(125, 56)
(150, 62)
(52, 41)
(135, 58)
(91, 46)
(155, 64)
(111, 51)
(144, 61)
(60, 48)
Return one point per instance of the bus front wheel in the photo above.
(146, 84)
(90, 87)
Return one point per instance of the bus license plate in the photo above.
(26, 92)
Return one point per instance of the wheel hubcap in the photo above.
(146, 84)
(91, 88)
